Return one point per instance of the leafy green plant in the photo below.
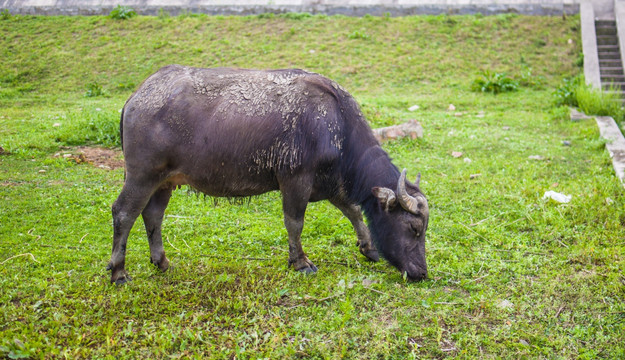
(94, 89)
(122, 13)
(356, 34)
(565, 94)
(579, 61)
(575, 92)
(494, 83)
(5, 14)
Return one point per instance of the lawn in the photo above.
(511, 275)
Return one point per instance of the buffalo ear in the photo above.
(385, 196)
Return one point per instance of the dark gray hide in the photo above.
(234, 133)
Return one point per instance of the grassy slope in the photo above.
(512, 275)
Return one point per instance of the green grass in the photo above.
(511, 275)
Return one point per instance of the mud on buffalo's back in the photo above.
(267, 120)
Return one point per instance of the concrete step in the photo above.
(607, 40)
(605, 23)
(610, 62)
(611, 70)
(608, 30)
(607, 48)
(612, 79)
(609, 55)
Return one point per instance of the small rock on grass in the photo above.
(505, 304)
(536, 157)
(413, 108)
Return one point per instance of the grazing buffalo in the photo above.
(239, 133)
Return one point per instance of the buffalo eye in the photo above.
(416, 226)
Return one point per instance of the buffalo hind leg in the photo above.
(153, 219)
(295, 196)
(353, 213)
(129, 204)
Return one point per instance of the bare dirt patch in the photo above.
(108, 159)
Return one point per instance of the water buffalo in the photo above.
(239, 133)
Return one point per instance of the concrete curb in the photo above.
(615, 145)
(329, 7)
(589, 45)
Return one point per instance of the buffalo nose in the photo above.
(416, 273)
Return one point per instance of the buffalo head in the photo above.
(401, 225)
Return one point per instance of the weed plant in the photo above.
(94, 89)
(512, 275)
(603, 103)
(122, 13)
(492, 82)
(575, 92)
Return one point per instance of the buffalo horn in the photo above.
(409, 203)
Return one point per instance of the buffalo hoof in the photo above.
(371, 254)
(308, 270)
(304, 266)
(120, 277)
(122, 280)
(162, 264)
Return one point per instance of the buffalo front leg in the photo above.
(294, 201)
(153, 219)
(353, 213)
(125, 209)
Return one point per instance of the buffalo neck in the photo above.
(369, 167)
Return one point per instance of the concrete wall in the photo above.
(330, 7)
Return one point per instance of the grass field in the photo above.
(511, 275)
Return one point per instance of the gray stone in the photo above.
(412, 129)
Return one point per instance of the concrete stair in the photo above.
(610, 63)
